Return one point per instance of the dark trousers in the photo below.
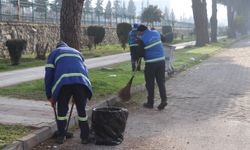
(79, 94)
(155, 71)
(134, 58)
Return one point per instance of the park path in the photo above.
(209, 109)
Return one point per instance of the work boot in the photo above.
(60, 139)
(69, 135)
(147, 105)
(85, 141)
(162, 105)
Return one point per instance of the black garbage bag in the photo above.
(109, 125)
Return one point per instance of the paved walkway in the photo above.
(209, 109)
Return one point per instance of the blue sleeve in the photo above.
(84, 64)
(49, 74)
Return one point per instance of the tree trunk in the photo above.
(70, 22)
(213, 21)
(230, 18)
(201, 22)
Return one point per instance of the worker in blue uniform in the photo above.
(66, 76)
(133, 46)
(151, 48)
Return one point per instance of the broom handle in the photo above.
(71, 110)
(139, 62)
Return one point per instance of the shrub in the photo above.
(15, 48)
(167, 32)
(122, 31)
(97, 33)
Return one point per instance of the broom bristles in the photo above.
(124, 93)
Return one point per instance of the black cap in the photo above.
(142, 28)
(61, 43)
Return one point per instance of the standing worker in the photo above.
(132, 37)
(66, 75)
(151, 48)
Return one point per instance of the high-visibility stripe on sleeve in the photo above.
(69, 75)
(131, 45)
(49, 66)
(83, 118)
(156, 59)
(67, 55)
(152, 45)
(61, 118)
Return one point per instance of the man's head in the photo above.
(142, 28)
(60, 44)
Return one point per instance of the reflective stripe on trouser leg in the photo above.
(61, 122)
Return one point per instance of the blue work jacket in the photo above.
(65, 66)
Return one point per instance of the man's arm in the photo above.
(49, 74)
(140, 51)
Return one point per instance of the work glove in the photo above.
(52, 102)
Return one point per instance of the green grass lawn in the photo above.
(26, 61)
(9, 133)
(107, 81)
(103, 50)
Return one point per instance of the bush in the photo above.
(122, 31)
(15, 48)
(167, 32)
(97, 33)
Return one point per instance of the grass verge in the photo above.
(107, 81)
(9, 133)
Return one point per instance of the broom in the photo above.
(124, 93)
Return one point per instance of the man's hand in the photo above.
(52, 102)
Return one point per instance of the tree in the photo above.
(235, 10)
(131, 8)
(20, 4)
(124, 9)
(200, 21)
(151, 14)
(213, 21)
(230, 16)
(166, 16)
(56, 5)
(41, 6)
(70, 22)
(117, 9)
(172, 17)
(87, 6)
(108, 11)
(99, 9)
